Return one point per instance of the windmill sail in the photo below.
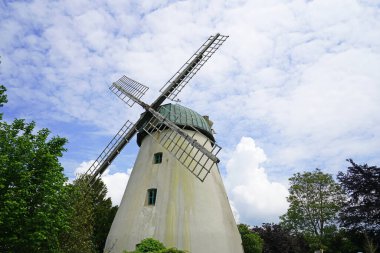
(193, 155)
(191, 67)
(126, 88)
(198, 158)
(113, 148)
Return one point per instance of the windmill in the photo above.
(171, 137)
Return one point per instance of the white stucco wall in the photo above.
(189, 214)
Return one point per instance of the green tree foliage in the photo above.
(315, 199)
(79, 236)
(103, 213)
(370, 246)
(32, 192)
(342, 241)
(150, 245)
(39, 211)
(243, 229)
(361, 211)
(3, 98)
(278, 239)
(91, 216)
(252, 242)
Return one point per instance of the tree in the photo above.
(3, 98)
(252, 242)
(79, 237)
(279, 239)
(370, 246)
(342, 241)
(103, 212)
(32, 192)
(91, 216)
(361, 210)
(315, 199)
(39, 211)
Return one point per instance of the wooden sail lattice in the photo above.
(131, 87)
(181, 144)
(198, 158)
(113, 145)
(192, 66)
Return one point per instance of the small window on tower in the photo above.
(157, 158)
(152, 193)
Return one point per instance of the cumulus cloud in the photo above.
(254, 197)
(300, 77)
(235, 212)
(115, 182)
(83, 167)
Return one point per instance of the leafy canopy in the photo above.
(103, 213)
(79, 236)
(3, 98)
(315, 199)
(100, 212)
(361, 210)
(252, 242)
(39, 211)
(32, 192)
(279, 239)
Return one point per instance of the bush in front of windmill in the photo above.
(150, 245)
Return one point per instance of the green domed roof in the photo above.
(182, 117)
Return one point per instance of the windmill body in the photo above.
(175, 192)
(185, 213)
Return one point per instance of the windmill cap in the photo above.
(184, 118)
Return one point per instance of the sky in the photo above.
(295, 87)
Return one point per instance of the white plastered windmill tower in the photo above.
(175, 193)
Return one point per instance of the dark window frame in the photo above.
(151, 196)
(157, 158)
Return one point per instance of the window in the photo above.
(152, 193)
(157, 158)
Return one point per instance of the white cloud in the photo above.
(300, 77)
(83, 167)
(256, 198)
(235, 212)
(115, 182)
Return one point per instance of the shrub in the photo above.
(150, 245)
(252, 243)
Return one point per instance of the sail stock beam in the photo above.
(118, 142)
(179, 80)
(127, 89)
(197, 157)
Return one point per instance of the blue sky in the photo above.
(295, 87)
